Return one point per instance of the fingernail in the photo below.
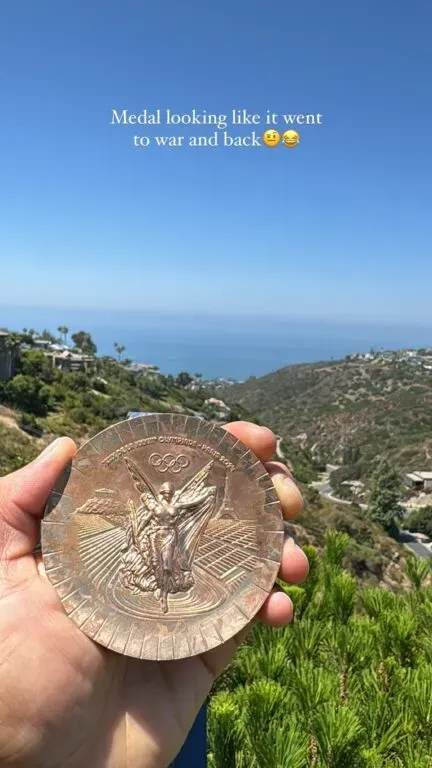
(284, 477)
(51, 447)
(290, 543)
(256, 427)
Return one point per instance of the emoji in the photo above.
(271, 138)
(290, 138)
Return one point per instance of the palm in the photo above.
(99, 701)
(66, 701)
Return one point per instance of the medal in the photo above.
(164, 536)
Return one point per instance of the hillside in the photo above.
(350, 410)
(39, 403)
(372, 557)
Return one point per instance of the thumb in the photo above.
(23, 496)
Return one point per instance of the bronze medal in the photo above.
(163, 537)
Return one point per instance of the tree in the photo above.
(119, 349)
(84, 342)
(64, 330)
(13, 341)
(48, 336)
(384, 505)
(34, 363)
(339, 476)
(183, 379)
(420, 521)
(27, 337)
(28, 394)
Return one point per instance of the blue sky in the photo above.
(339, 227)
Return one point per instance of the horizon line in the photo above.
(218, 313)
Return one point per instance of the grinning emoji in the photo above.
(271, 138)
(291, 138)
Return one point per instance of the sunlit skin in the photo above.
(271, 138)
(291, 138)
(66, 702)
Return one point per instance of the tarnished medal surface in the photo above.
(163, 537)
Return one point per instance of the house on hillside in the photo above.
(355, 486)
(8, 358)
(143, 368)
(418, 481)
(220, 409)
(68, 362)
(43, 344)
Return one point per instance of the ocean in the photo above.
(220, 346)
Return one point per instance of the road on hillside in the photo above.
(410, 542)
(406, 539)
(325, 490)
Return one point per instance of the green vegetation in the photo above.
(300, 461)
(335, 409)
(341, 475)
(79, 404)
(371, 556)
(84, 342)
(119, 348)
(63, 330)
(16, 450)
(46, 402)
(348, 685)
(384, 505)
(420, 521)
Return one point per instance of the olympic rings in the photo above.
(169, 462)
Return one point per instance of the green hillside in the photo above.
(40, 402)
(350, 408)
(349, 684)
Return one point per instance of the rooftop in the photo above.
(137, 366)
(67, 355)
(419, 476)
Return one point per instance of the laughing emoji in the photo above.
(291, 138)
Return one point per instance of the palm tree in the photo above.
(64, 330)
(119, 349)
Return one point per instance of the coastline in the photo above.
(219, 346)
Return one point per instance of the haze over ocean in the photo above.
(220, 345)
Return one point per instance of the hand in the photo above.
(66, 702)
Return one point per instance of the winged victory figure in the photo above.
(162, 532)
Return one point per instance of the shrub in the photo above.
(347, 685)
(420, 521)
